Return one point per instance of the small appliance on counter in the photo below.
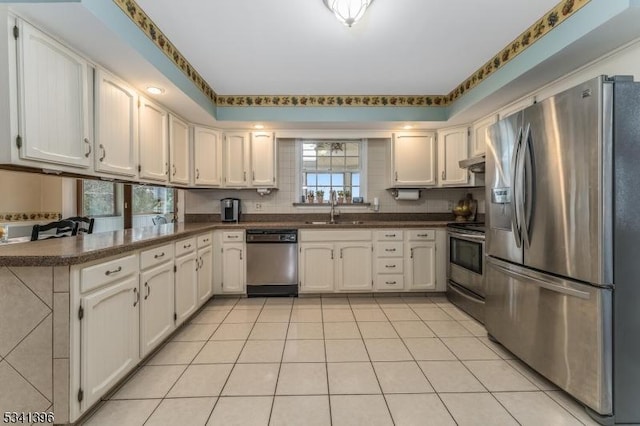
(230, 210)
(466, 210)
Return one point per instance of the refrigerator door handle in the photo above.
(539, 279)
(515, 223)
(520, 187)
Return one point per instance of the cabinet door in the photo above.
(207, 157)
(153, 141)
(263, 156)
(233, 268)
(157, 306)
(413, 160)
(236, 162)
(109, 337)
(178, 150)
(453, 146)
(116, 125)
(354, 266)
(205, 274)
(480, 134)
(186, 287)
(317, 273)
(53, 101)
(421, 266)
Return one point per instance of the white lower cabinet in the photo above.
(233, 268)
(186, 282)
(157, 292)
(354, 266)
(316, 268)
(109, 331)
(205, 274)
(421, 261)
(389, 260)
(335, 261)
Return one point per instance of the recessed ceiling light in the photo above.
(155, 90)
(407, 126)
(258, 126)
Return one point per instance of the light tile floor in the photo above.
(335, 361)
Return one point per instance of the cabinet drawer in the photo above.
(155, 256)
(185, 246)
(421, 234)
(390, 282)
(392, 265)
(233, 236)
(389, 235)
(95, 276)
(204, 240)
(390, 249)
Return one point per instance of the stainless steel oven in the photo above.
(465, 268)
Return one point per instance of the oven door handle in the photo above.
(467, 237)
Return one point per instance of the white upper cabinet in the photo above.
(53, 123)
(207, 157)
(116, 125)
(264, 161)
(480, 134)
(412, 160)
(453, 146)
(153, 141)
(178, 150)
(237, 159)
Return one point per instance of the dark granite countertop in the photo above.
(86, 248)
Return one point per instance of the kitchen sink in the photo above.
(340, 222)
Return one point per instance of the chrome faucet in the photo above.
(332, 201)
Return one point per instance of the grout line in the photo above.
(284, 345)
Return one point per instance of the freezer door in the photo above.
(561, 328)
(560, 172)
(503, 237)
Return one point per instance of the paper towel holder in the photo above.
(394, 192)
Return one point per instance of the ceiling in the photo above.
(294, 47)
(298, 48)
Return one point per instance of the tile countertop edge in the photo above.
(87, 248)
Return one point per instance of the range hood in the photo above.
(474, 164)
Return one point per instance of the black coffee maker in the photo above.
(230, 210)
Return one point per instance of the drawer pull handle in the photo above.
(391, 282)
(389, 266)
(232, 236)
(148, 290)
(158, 256)
(389, 235)
(186, 246)
(411, 256)
(86, 140)
(240, 254)
(114, 271)
(390, 250)
(423, 235)
(135, 291)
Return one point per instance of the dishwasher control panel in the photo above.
(272, 236)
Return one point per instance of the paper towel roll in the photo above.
(408, 194)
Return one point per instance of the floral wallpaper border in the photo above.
(21, 217)
(561, 12)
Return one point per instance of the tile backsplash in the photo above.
(207, 201)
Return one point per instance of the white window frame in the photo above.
(363, 165)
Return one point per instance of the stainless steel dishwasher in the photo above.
(272, 262)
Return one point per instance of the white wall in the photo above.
(207, 201)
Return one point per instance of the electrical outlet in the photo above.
(258, 206)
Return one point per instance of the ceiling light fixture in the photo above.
(155, 90)
(258, 126)
(348, 12)
(407, 127)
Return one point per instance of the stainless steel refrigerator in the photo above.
(563, 242)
